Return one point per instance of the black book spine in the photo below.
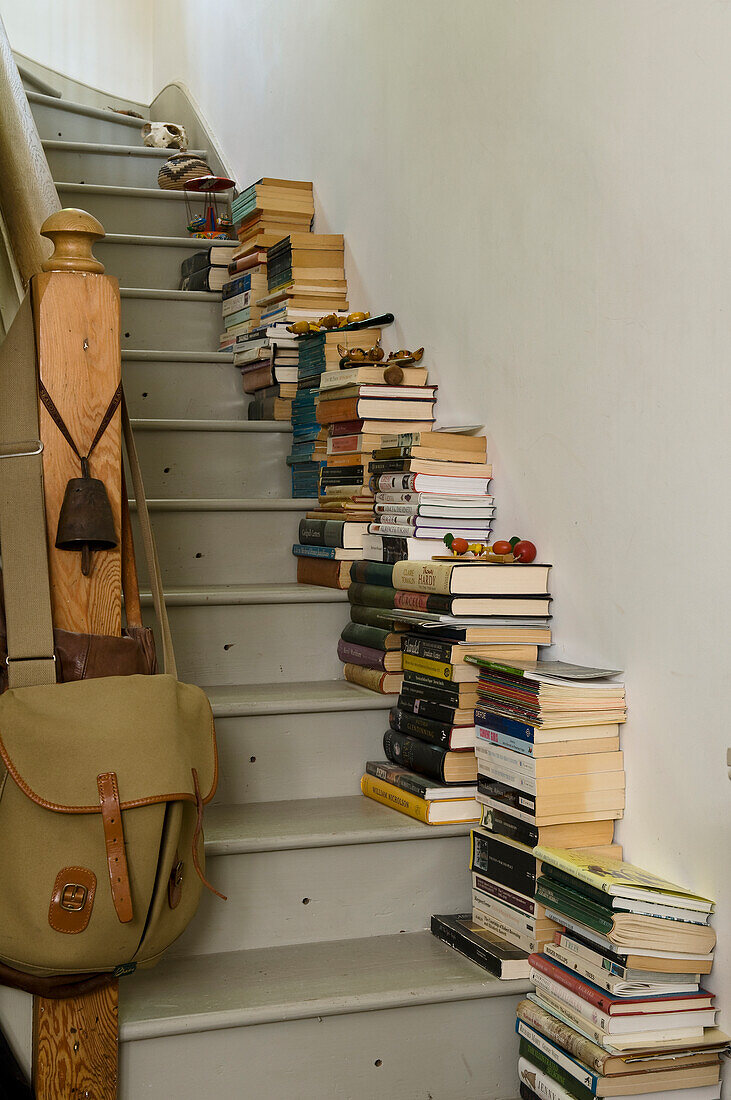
(466, 946)
(394, 549)
(591, 893)
(370, 616)
(372, 572)
(426, 707)
(505, 825)
(321, 532)
(196, 262)
(403, 782)
(197, 280)
(509, 796)
(417, 756)
(345, 471)
(446, 692)
(432, 649)
(504, 864)
(389, 466)
(415, 725)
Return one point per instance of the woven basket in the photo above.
(179, 169)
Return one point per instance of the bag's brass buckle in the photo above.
(73, 897)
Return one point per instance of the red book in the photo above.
(619, 1006)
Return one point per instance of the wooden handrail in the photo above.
(27, 191)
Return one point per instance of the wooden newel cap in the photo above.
(72, 232)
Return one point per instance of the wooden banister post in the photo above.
(77, 318)
(27, 191)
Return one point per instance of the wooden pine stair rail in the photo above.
(77, 319)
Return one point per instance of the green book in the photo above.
(542, 1061)
(372, 595)
(360, 634)
(372, 572)
(371, 616)
(558, 897)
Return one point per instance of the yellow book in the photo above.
(442, 811)
(425, 665)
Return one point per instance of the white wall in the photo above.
(104, 43)
(540, 192)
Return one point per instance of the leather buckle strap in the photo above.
(114, 840)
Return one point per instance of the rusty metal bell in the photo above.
(85, 522)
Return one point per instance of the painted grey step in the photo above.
(152, 261)
(225, 541)
(61, 118)
(146, 210)
(300, 982)
(132, 165)
(33, 82)
(323, 868)
(213, 458)
(255, 633)
(448, 1050)
(183, 385)
(184, 319)
(295, 740)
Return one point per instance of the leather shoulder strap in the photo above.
(22, 510)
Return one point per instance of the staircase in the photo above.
(318, 977)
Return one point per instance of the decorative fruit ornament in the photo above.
(460, 546)
(502, 547)
(524, 551)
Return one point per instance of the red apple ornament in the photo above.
(524, 551)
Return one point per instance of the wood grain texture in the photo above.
(75, 1044)
(77, 334)
(27, 191)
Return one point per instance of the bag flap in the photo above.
(151, 730)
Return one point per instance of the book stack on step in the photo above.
(244, 287)
(370, 645)
(549, 772)
(619, 1009)
(428, 484)
(271, 209)
(317, 354)
(431, 729)
(306, 278)
(207, 270)
(268, 359)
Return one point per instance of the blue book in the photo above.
(237, 318)
(500, 724)
(301, 551)
(236, 286)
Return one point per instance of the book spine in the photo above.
(565, 879)
(498, 723)
(573, 1000)
(472, 951)
(196, 280)
(438, 712)
(554, 1065)
(429, 649)
(429, 577)
(539, 1020)
(506, 795)
(545, 1087)
(506, 864)
(197, 262)
(360, 655)
(558, 1054)
(372, 572)
(369, 616)
(436, 733)
(395, 798)
(511, 777)
(572, 947)
(426, 667)
(371, 595)
(371, 636)
(506, 895)
(236, 304)
(491, 737)
(574, 984)
(510, 827)
(494, 923)
(395, 775)
(303, 550)
(388, 483)
(322, 532)
(573, 1018)
(367, 677)
(422, 601)
(234, 287)
(558, 900)
(443, 691)
(417, 756)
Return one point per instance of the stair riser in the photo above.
(161, 217)
(214, 464)
(52, 122)
(198, 548)
(118, 169)
(171, 324)
(150, 265)
(266, 643)
(315, 894)
(296, 755)
(179, 391)
(461, 1050)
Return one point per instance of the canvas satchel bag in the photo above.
(102, 781)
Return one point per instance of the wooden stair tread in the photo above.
(242, 594)
(119, 190)
(314, 697)
(301, 981)
(312, 823)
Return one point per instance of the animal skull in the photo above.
(165, 135)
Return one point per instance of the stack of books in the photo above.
(271, 209)
(370, 646)
(549, 772)
(432, 732)
(268, 360)
(207, 270)
(241, 292)
(618, 1008)
(428, 484)
(306, 278)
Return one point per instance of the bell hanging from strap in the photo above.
(85, 522)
